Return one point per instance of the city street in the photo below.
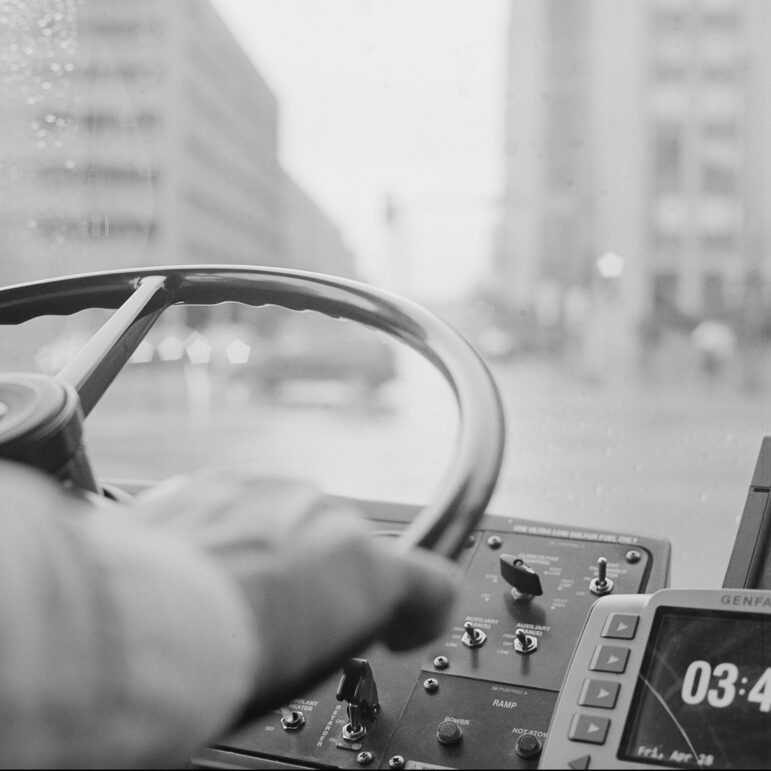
(668, 460)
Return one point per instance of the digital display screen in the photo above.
(703, 695)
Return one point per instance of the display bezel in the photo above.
(660, 638)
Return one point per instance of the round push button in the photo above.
(528, 746)
(449, 732)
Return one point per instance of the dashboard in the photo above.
(567, 650)
(483, 695)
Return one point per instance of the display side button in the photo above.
(580, 764)
(621, 626)
(599, 693)
(609, 658)
(590, 729)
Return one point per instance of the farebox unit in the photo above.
(676, 679)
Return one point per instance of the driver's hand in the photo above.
(315, 578)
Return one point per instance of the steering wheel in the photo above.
(41, 416)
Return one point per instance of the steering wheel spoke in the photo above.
(100, 360)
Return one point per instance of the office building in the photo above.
(637, 132)
(311, 240)
(140, 133)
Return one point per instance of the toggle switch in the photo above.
(473, 637)
(602, 584)
(525, 582)
(525, 643)
(292, 719)
(358, 689)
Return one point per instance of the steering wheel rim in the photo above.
(140, 296)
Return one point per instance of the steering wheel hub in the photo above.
(41, 425)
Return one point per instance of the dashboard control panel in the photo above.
(677, 679)
(483, 695)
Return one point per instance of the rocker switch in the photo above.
(525, 582)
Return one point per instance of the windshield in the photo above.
(579, 186)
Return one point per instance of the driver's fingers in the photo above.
(424, 610)
(336, 584)
(315, 577)
(231, 510)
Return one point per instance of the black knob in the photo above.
(522, 577)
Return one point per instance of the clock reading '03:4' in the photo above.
(720, 686)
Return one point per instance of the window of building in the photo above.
(668, 157)
(727, 20)
(714, 294)
(721, 129)
(665, 70)
(97, 122)
(665, 288)
(719, 179)
(670, 20)
(145, 74)
(96, 226)
(123, 28)
(727, 73)
(725, 243)
(95, 173)
(667, 244)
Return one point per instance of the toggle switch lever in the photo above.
(473, 637)
(292, 719)
(602, 584)
(358, 689)
(525, 582)
(525, 643)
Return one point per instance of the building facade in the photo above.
(311, 240)
(637, 131)
(140, 133)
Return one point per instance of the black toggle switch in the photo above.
(358, 689)
(525, 581)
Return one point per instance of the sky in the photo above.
(391, 98)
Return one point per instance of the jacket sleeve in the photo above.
(119, 646)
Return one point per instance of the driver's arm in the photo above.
(132, 636)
